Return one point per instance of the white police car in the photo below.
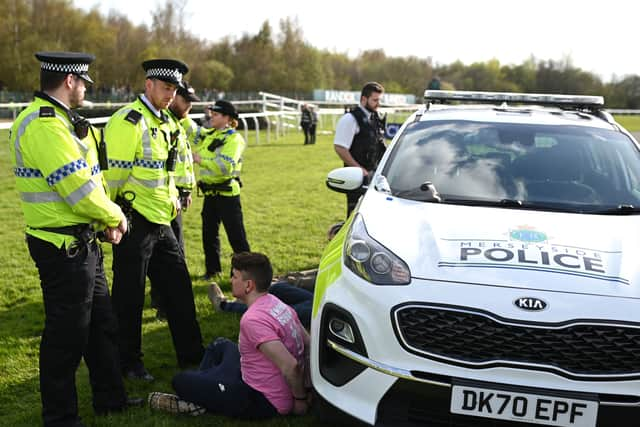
(490, 275)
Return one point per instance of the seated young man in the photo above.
(264, 374)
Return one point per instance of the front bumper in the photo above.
(381, 383)
(424, 400)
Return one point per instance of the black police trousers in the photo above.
(306, 129)
(79, 322)
(152, 249)
(228, 210)
(176, 226)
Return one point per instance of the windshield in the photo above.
(572, 167)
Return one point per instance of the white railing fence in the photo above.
(279, 114)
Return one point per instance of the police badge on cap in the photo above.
(67, 63)
(168, 70)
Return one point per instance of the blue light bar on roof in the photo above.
(584, 101)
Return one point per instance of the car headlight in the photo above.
(372, 261)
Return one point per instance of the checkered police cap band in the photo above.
(65, 68)
(165, 73)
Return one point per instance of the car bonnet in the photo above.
(592, 254)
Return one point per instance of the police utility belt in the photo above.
(213, 189)
(84, 234)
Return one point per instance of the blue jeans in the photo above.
(301, 300)
(218, 386)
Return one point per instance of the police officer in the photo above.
(359, 139)
(64, 201)
(178, 114)
(220, 159)
(194, 131)
(184, 177)
(143, 150)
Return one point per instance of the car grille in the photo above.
(581, 350)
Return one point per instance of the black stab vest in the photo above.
(367, 147)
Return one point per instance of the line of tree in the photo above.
(280, 62)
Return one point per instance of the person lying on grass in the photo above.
(294, 289)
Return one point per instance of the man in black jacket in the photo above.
(359, 139)
(305, 123)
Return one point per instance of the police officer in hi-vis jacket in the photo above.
(143, 150)
(220, 158)
(57, 158)
(178, 114)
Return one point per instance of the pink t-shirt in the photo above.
(269, 319)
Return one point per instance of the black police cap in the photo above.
(168, 70)
(66, 62)
(186, 91)
(224, 107)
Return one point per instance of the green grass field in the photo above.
(287, 210)
(630, 123)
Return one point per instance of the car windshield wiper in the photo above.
(618, 210)
(509, 204)
(426, 192)
(506, 203)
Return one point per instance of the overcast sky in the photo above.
(599, 36)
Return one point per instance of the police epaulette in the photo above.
(47, 111)
(133, 117)
(230, 132)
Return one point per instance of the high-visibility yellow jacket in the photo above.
(184, 176)
(221, 160)
(138, 143)
(195, 132)
(57, 174)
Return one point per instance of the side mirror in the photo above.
(346, 179)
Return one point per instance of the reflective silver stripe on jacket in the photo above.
(41, 197)
(52, 196)
(221, 165)
(23, 126)
(183, 180)
(116, 183)
(80, 193)
(146, 139)
(147, 153)
(149, 183)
